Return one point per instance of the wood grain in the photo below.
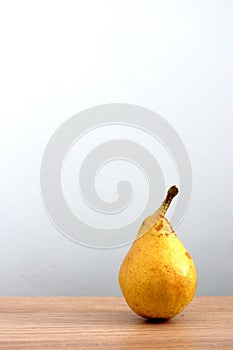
(107, 323)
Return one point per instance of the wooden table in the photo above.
(107, 323)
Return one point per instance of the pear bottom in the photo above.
(158, 277)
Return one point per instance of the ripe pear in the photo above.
(158, 277)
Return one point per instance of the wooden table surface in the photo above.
(107, 323)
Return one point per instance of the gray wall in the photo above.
(58, 58)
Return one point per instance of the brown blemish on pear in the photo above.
(188, 255)
(158, 228)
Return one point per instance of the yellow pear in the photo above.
(158, 277)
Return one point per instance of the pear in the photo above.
(158, 277)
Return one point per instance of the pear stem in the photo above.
(171, 193)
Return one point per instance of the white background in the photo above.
(60, 57)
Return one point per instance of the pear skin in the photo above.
(158, 277)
